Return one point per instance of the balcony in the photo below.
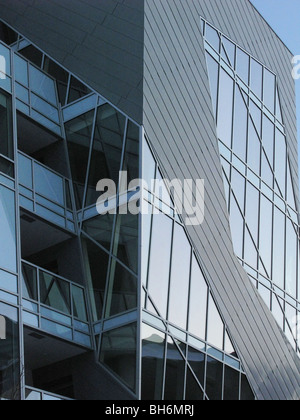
(55, 305)
(33, 394)
(45, 193)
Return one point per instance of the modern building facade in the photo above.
(100, 304)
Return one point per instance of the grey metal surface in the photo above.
(105, 44)
(178, 121)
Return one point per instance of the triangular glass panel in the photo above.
(228, 346)
(215, 325)
(229, 47)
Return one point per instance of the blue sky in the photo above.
(284, 17)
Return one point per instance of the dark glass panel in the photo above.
(153, 351)
(107, 150)
(198, 302)
(96, 266)
(100, 229)
(196, 360)
(9, 362)
(126, 240)
(6, 139)
(32, 54)
(231, 384)
(7, 35)
(7, 167)
(118, 352)
(77, 90)
(175, 372)
(78, 133)
(159, 269)
(122, 292)
(131, 158)
(214, 379)
(55, 292)
(193, 390)
(246, 392)
(29, 281)
(180, 278)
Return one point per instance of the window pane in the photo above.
(49, 184)
(118, 352)
(79, 307)
(8, 230)
(256, 115)
(240, 126)
(231, 384)
(122, 293)
(175, 372)
(269, 90)
(25, 171)
(212, 37)
(21, 70)
(198, 302)
(256, 78)
(265, 243)
(242, 65)
(78, 133)
(146, 232)
(291, 259)
(280, 161)
(215, 326)
(193, 390)
(148, 165)
(6, 140)
(196, 360)
(225, 108)
(230, 50)
(214, 379)
(180, 278)
(55, 293)
(5, 52)
(107, 150)
(77, 90)
(153, 346)
(268, 139)
(126, 240)
(32, 54)
(237, 227)
(159, 271)
(246, 392)
(29, 282)
(42, 85)
(254, 149)
(278, 248)
(252, 208)
(213, 73)
(96, 266)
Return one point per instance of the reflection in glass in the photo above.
(6, 143)
(215, 326)
(118, 352)
(8, 258)
(269, 90)
(252, 209)
(240, 126)
(265, 241)
(153, 351)
(246, 392)
(43, 85)
(159, 270)
(175, 372)
(230, 50)
(196, 360)
(242, 65)
(193, 390)
(198, 302)
(78, 133)
(212, 37)
(256, 74)
(225, 108)
(122, 290)
(254, 149)
(107, 150)
(214, 379)
(96, 265)
(268, 139)
(48, 184)
(180, 278)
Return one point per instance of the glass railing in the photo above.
(45, 192)
(54, 304)
(32, 394)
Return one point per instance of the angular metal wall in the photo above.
(179, 123)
